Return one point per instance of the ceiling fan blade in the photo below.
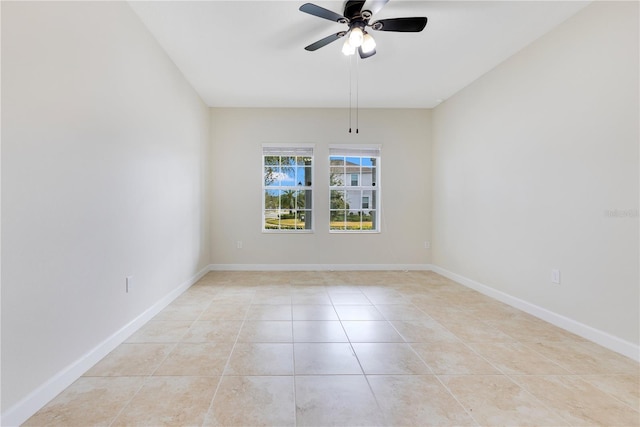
(352, 8)
(374, 6)
(365, 55)
(325, 41)
(403, 25)
(321, 12)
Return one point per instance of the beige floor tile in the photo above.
(253, 401)
(516, 358)
(476, 332)
(377, 297)
(371, 331)
(266, 331)
(272, 298)
(176, 401)
(495, 400)
(308, 279)
(401, 312)
(579, 402)
(223, 311)
(236, 290)
(161, 331)
(196, 359)
(453, 358)
(300, 289)
(78, 404)
(585, 358)
(269, 312)
(443, 312)
(389, 359)
(336, 400)
(349, 299)
(344, 283)
(131, 360)
(261, 359)
(325, 359)
(526, 328)
(231, 300)
(276, 280)
(417, 400)
(213, 331)
(423, 331)
(358, 312)
(199, 294)
(318, 331)
(496, 312)
(311, 299)
(314, 312)
(182, 311)
(624, 387)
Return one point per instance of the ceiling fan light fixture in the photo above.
(347, 48)
(356, 36)
(368, 43)
(357, 14)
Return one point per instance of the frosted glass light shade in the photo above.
(368, 43)
(356, 36)
(347, 48)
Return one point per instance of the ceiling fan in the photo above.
(357, 14)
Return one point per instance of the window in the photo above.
(287, 188)
(354, 186)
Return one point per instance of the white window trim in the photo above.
(291, 150)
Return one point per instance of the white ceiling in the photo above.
(251, 53)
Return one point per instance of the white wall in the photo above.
(104, 175)
(528, 159)
(237, 135)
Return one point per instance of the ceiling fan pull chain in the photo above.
(350, 65)
(357, 96)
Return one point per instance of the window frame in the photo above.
(372, 191)
(296, 151)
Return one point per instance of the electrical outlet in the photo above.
(128, 283)
(555, 276)
(427, 244)
(239, 244)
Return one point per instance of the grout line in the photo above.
(293, 350)
(366, 378)
(126, 405)
(233, 348)
(582, 377)
(457, 400)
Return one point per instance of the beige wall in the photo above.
(528, 160)
(237, 135)
(104, 175)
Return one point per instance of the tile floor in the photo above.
(348, 349)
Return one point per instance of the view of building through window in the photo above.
(354, 183)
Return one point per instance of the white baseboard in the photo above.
(319, 267)
(23, 410)
(585, 331)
